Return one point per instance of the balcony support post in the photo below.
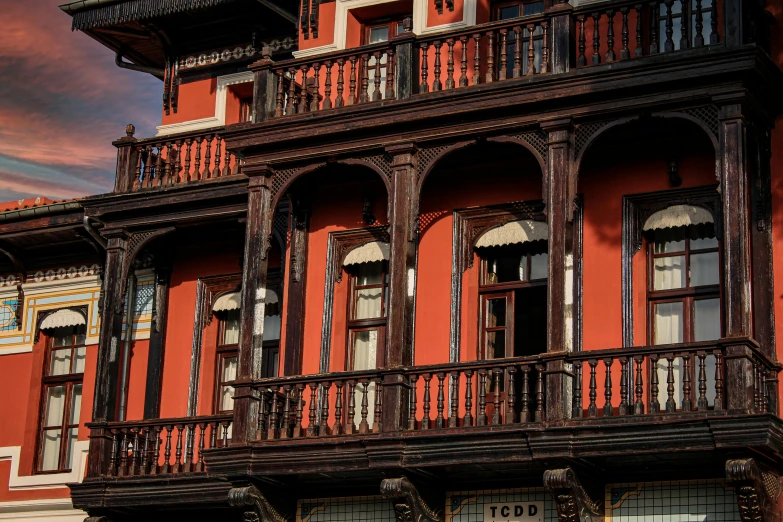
(298, 228)
(264, 87)
(402, 282)
(559, 197)
(563, 37)
(126, 161)
(160, 307)
(405, 60)
(253, 296)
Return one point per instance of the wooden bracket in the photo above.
(260, 509)
(409, 506)
(756, 490)
(573, 502)
(97, 519)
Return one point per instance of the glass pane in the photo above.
(533, 8)
(496, 312)
(55, 406)
(229, 370)
(61, 362)
(73, 435)
(539, 265)
(704, 269)
(496, 345)
(226, 398)
(506, 267)
(706, 319)
(62, 338)
(231, 328)
(668, 323)
(669, 273)
(271, 327)
(369, 273)
(704, 242)
(78, 363)
(379, 34)
(365, 349)
(50, 451)
(664, 245)
(511, 11)
(367, 303)
(76, 404)
(400, 28)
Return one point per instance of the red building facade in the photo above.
(448, 261)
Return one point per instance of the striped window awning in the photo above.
(230, 301)
(678, 216)
(368, 253)
(513, 233)
(61, 319)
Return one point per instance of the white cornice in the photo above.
(48, 481)
(60, 509)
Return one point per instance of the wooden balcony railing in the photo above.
(164, 446)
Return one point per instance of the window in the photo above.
(684, 284)
(513, 300)
(227, 348)
(677, 25)
(61, 398)
(245, 109)
(516, 9)
(376, 32)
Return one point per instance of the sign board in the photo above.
(514, 512)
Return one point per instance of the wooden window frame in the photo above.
(497, 6)
(222, 351)
(391, 22)
(69, 380)
(363, 325)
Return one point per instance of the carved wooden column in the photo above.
(251, 325)
(402, 282)
(559, 194)
(295, 291)
(405, 61)
(735, 183)
(126, 160)
(562, 43)
(107, 373)
(160, 305)
(264, 87)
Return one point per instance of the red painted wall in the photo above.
(196, 101)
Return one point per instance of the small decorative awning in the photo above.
(88, 14)
(368, 253)
(678, 216)
(61, 319)
(513, 233)
(230, 301)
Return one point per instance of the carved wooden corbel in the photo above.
(573, 502)
(97, 519)
(757, 491)
(408, 504)
(260, 509)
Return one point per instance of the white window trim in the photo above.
(219, 119)
(43, 510)
(49, 480)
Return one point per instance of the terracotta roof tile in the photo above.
(20, 204)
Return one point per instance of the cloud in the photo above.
(62, 102)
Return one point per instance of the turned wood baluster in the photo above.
(454, 413)
(440, 421)
(227, 156)
(313, 96)
(167, 164)
(337, 429)
(200, 461)
(671, 404)
(424, 86)
(490, 56)
(197, 174)
(365, 85)
(115, 443)
(261, 429)
(698, 39)
(364, 426)
(304, 94)
(655, 405)
(540, 409)
(137, 175)
(376, 93)
(412, 404)
(175, 178)
(702, 404)
(524, 415)
(300, 402)
(187, 177)
(610, 57)
(477, 59)
(145, 452)
(324, 400)
(214, 427)
(436, 83)
(167, 452)
(625, 53)
(207, 156)
(502, 73)
(147, 171)
(425, 421)
(687, 403)
(576, 402)
(311, 425)
(271, 426)
(512, 392)
(545, 47)
(596, 58)
(685, 26)
(390, 70)
(714, 36)
(755, 386)
(136, 463)
(467, 420)
(158, 166)
(327, 86)
(516, 72)
(463, 69)
(280, 99)
(623, 407)
(225, 425)
(638, 50)
(377, 422)
(481, 418)
(450, 64)
(638, 405)
(216, 171)
(352, 82)
(531, 50)
(669, 45)
(290, 107)
(155, 451)
(496, 372)
(340, 101)
(178, 454)
(581, 60)
(351, 423)
(123, 460)
(654, 27)
(718, 406)
(592, 409)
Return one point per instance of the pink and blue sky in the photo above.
(62, 102)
